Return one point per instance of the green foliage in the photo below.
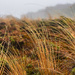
(12, 39)
(31, 70)
(52, 44)
(58, 48)
(73, 71)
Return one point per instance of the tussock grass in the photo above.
(37, 47)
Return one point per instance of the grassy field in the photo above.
(37, 47)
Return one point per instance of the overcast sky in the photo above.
(19, 7)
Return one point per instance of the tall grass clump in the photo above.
(37, 47)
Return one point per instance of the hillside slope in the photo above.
(66, 10)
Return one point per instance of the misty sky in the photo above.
(19, 7)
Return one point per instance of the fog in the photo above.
(20, 7)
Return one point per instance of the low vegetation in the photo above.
(37, 47)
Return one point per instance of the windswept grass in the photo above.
(37, 47)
